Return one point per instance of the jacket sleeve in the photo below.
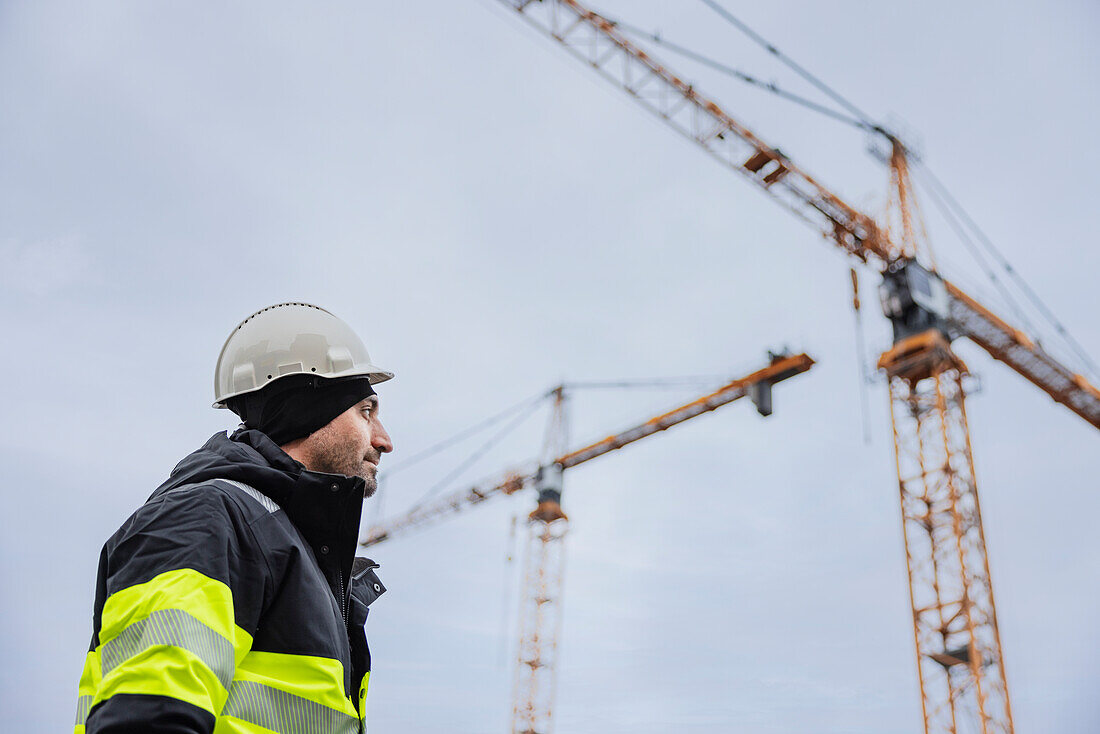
(179, 594)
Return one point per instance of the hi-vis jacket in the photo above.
(232, 602)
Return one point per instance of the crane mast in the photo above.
(958, 649)
(959, 661)
(533, 689)
(960, 667)
(540, 608)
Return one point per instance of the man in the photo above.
(232, 599)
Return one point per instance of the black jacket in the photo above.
(233, 594)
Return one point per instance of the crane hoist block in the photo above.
(761, 395)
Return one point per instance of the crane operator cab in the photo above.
(915, 300)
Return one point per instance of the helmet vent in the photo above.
(279, 305)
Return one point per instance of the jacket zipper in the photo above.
(347, 632)
(343, 600)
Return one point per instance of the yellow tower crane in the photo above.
(958, 649)
(540, 599)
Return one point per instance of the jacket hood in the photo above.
(247, 456)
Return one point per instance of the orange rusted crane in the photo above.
(540, 599)
(958, 650)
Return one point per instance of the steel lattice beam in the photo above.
(960, 666)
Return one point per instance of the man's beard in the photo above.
(370, 484)
(347, 460)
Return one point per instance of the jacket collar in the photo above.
(326, 508)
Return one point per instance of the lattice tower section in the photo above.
(539, 624)
(962, 678)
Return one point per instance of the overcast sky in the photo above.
(493, 218)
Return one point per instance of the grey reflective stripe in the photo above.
(173, 627)
(263, 499)
(284, 712)
(83, 705)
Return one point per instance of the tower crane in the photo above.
(540, 599)
(958, 649)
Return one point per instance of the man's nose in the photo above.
(381, 440)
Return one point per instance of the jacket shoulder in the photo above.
(215, 496)
(202, 529)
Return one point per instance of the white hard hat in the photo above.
(289, 339)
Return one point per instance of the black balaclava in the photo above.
(298, 405)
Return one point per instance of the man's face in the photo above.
(352, 444)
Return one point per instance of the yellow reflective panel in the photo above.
(83, 706)
(165, 670)
(317, 679)
(90, 677)
(206, 599)
(170, 628)
(230, 725)
(363, 696)
(242, 644)
(85, 691)
(286, 713)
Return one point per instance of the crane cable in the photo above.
(968, 242)
(506, 608)
(521, 410)
(861, 357)
(866, 123)
(742, 76)
(477, 454)
(665, 382)
(465, 433)
(788, 61)
(383, 476)
(1012, 273)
